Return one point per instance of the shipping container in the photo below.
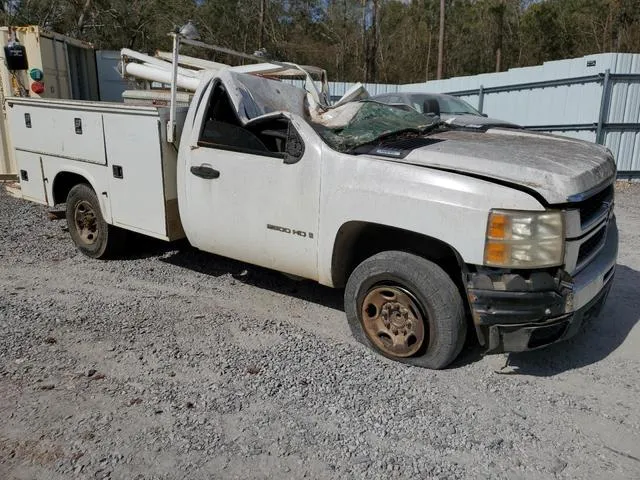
(57, 66)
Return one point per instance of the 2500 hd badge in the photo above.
(291, 231)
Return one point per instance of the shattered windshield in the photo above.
(254, 96)
(346, 127)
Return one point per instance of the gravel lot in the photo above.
(178, 364)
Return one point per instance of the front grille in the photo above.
(590, 246)
(593, 206)
(586, 227)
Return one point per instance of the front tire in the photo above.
(89, 231)
(406, 308)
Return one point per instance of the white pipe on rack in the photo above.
(181, 71)
(129, 54)
(142, 57)
(154, 74)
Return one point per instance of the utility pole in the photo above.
(498, 12)
(441, 41)
(371, 70)
(263, 8)
(426, 76)
(364, 40)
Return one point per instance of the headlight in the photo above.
(521, 239)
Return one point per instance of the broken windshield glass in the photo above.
(254, 96)
(356, 123)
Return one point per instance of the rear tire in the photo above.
(406, 308)
(93, 236)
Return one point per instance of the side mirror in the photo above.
(294, 149)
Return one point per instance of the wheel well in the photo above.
(63, 183)
(357, 241)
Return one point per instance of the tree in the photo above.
(393, 41)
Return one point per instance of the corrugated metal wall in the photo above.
(624, 108)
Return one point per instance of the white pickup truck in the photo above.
(435, 232)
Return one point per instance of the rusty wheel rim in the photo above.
(86, 222)
(393, 321)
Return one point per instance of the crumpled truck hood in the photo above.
(555, 167)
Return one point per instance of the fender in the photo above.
(447, 206)
(83, 171)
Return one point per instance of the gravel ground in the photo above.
(178, 364)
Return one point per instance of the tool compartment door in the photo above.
(32, 183)
(58, 129)
(136, 183)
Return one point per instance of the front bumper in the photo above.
(514, 313)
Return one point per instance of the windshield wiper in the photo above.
(396, 133)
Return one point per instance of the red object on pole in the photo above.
(37, 87)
